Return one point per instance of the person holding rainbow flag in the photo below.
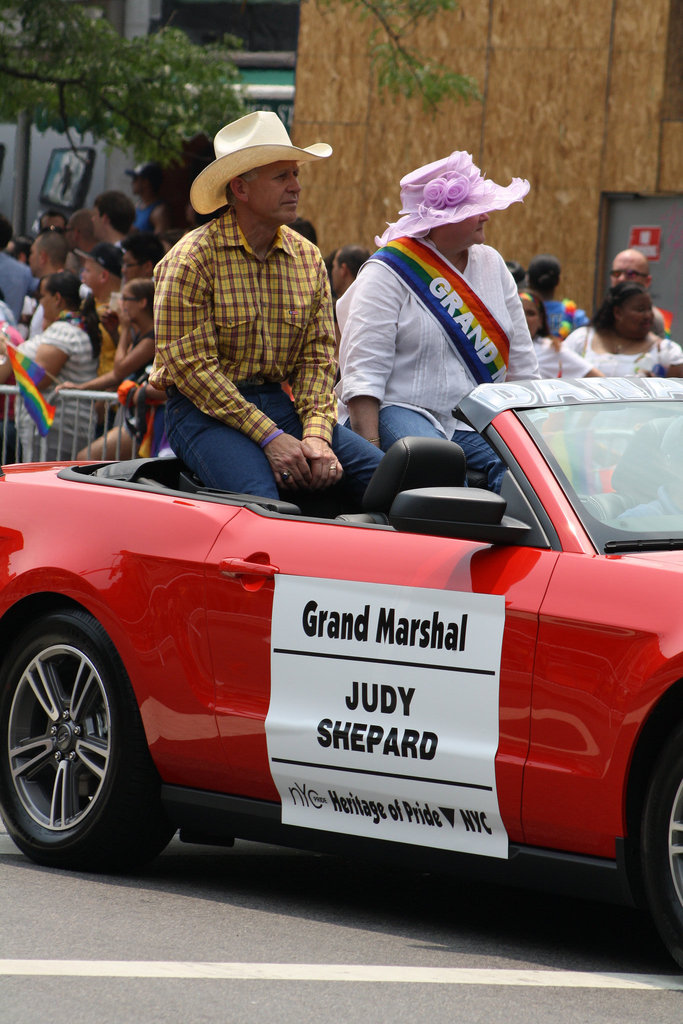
(433, 313)
(66, 350)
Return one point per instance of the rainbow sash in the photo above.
(477, 337)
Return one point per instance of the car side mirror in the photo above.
(469, 513)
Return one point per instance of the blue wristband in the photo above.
(271, 437)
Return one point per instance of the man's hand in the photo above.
(110, 321)
(325, 467)
(308, 465)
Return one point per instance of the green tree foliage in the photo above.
(68, 66)
(399, 69)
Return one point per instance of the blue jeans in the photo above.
(224, 458)
(395, 422)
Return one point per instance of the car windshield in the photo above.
(621, 465)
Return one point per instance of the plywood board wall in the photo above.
(571, 100)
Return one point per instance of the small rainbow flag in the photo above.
(28, 376)
(667, 316)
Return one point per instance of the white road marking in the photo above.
(338, 972)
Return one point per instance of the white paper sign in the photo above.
(383, 716)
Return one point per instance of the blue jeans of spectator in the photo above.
(224, 458)
(395, 422)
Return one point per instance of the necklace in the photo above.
(72, 317)
(619, 344)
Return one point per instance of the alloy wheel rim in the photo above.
(59, 737)
(676, 842)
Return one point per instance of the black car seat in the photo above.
(411, 462)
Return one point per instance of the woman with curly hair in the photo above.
(620, 342)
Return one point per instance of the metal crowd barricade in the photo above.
(89, 409)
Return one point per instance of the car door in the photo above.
(375, 682)
(609, 646)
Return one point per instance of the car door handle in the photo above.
(236, 567)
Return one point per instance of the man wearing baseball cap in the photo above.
(242, 305)
(101, 273)
(105, 255)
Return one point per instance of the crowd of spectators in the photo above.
(79, 291)
(626, 335)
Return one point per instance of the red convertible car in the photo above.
(465, 680)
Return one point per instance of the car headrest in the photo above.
(414, 462)
(641, 468)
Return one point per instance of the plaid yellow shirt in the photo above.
(222, 316)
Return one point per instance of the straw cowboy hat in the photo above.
(252, 141)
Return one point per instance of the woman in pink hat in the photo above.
(433, 313)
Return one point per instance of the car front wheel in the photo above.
(78, 788)
(662, 845)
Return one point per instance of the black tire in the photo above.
(662, 845)
(78, 788)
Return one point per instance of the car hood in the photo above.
(659, 559)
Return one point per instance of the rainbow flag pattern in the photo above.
(28, 376)
(469, 325)
(667, 316)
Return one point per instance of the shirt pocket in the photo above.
(288, 330)
(295, 316)
(229, 314)
(236, 326)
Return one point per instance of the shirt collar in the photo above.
(234, 236)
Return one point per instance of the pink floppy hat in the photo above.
(446, 192)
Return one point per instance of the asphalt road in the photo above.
(259, 934)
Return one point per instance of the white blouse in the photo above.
(621, 364)
(69, 431)
(393, 349)
(562, 362)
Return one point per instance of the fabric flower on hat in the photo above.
(441, 192)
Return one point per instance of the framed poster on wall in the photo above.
(67, 177)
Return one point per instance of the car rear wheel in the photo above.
(78, 788)
(662, 845)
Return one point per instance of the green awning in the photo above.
(267, 76)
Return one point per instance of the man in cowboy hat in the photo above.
(243, 305)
